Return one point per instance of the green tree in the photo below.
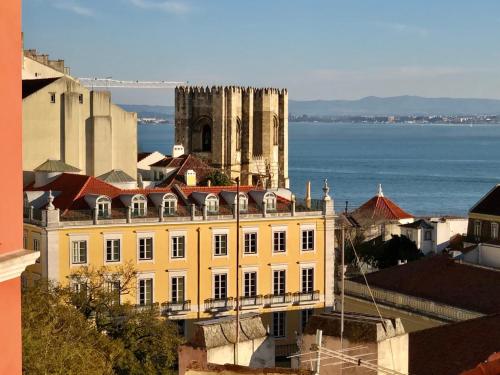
(387, 254)
(150, 340)
(83, 328)
(57, 339)
(218, 178)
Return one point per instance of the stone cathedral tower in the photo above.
(243, 131)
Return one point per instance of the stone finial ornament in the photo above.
(50, 205)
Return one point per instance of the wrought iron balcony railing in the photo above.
(278, 299)
(303, 297)
(176, 307)
(254, 301)
(219, 304)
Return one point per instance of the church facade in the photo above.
(241, 130)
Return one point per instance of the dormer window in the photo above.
(103, 206)
(169, 204)
(270, 201)
(212, 203)
(243, 202)
(139, 206)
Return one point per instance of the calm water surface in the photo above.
(426, 169)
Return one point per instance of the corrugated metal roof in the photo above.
(56, 166)
(116, 176)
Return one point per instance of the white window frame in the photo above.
(171, 276)
(306, 228)
(142, 235)
(110, 237)
(78, 238)
(273, 289)
(494, 231)
(477, 228)
(145, 276)
(170, 203)
(276, 229)
(35, 238)
(216, 272)
(426, 232)
(304, 266)
(175, 234)
(103, 204)
(247, 270)
(139, 200)
(218, 232)
(250, 231)
(210, 207)
(270, 197)
(283, 330)
(243, 202)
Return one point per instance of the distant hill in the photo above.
(160, 111)
(397, 105)
(369, 106)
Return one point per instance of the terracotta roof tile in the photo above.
(379, 208)
(452, 348)
(444, 280)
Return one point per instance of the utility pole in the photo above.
(237, 270)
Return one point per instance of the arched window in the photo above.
(243, 202)
(169, 204)
(238, 135)
(212, 203)
(270, 201)
(206, 138)
(139, 206)
(103, 205)
(276, 132)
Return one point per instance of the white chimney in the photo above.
(177, 151)
(190, 177)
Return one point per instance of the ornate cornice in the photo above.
(14, 263)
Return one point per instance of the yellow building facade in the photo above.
(183, 244)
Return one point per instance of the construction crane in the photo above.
(108, 82)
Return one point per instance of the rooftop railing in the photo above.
(152, 214)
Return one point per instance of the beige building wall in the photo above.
(82, 128)
(33, 69)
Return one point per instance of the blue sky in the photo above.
(319, 49)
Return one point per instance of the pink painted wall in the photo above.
(11, 188)
(11, 222)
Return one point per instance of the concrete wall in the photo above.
(253, 353)
(35, 70)
(487, 255)
(82, 128)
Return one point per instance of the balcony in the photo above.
(250, 302)
(180, 307)
(278, 299)
(222, 304)
(305, 297)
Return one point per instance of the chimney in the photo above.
(190, 177)
(177, 151)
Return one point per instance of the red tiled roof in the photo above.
(452, 348)
(444, 280)
(490, 367)
(380, 208)
(184, 163)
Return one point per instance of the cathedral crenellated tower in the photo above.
(241, 130)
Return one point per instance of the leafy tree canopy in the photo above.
(88, 322)
(218, 178)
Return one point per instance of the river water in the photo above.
(426, 169)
